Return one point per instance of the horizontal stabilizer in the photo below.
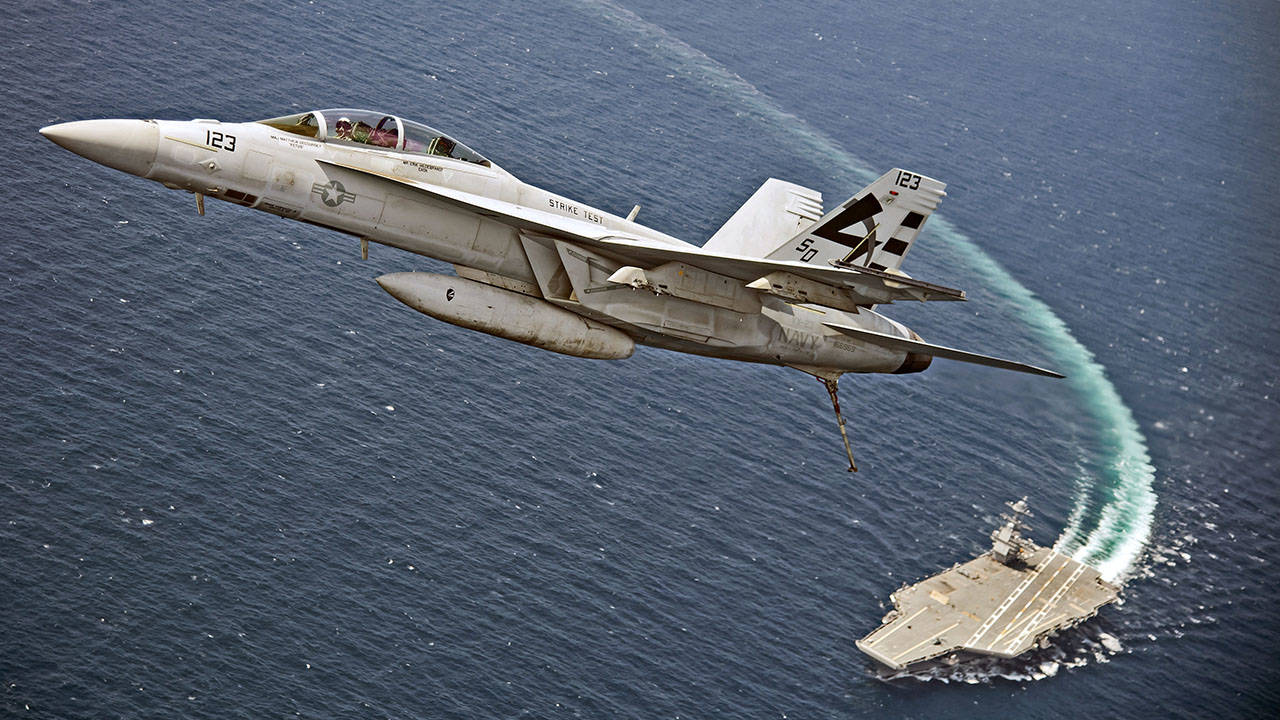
(938, 351)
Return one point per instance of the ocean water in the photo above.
(238, 480)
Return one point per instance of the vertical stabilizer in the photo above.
(773, 215)
(875, 228)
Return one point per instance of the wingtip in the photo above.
(1037, 370)
(1046, 372)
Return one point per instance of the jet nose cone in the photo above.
(128, 145)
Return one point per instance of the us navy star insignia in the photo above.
(333, 193)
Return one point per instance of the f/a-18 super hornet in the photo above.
(781, 282)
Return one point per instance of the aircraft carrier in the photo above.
(1002, 603)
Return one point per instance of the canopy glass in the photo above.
(366, 127)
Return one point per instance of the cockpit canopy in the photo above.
(365, 127)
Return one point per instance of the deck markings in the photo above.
(1022, 636)
(897, 627)
(1022, 586)
(938, 634)
(1011, 626)
(1036, 596)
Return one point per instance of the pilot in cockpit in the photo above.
(386, 134)
(342, 128)
(364, 133)
(442, 146)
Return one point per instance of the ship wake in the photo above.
(1110, 523)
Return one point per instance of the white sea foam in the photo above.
(1110, 642)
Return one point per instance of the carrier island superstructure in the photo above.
(1002, 603)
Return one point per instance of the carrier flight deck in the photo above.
(1002, 603)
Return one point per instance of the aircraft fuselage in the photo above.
(264, 168)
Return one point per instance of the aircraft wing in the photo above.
(874, 286)
(870, 285)
(915, 346)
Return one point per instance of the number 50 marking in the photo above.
(806, 247)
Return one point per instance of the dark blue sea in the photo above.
(237, 479)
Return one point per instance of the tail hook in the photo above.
(833, 387)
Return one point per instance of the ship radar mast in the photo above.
(1007, 543)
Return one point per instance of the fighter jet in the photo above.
(781, 282)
